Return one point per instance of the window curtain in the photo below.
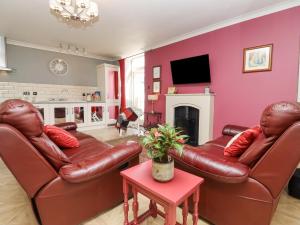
(122, 78)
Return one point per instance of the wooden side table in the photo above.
(156, 116)
(169, 195)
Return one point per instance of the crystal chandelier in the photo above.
(78, 10)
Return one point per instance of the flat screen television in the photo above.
(191, 70)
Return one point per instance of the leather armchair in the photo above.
(246, 190)
(66, 186)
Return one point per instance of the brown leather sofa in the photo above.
(66, 186)
(246, 190)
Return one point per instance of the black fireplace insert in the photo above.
(187, 118)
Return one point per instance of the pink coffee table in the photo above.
(169, 195)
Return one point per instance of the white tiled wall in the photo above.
(45, 92)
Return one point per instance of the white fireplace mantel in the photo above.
(203, 102)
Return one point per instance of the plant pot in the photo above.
(163, 171)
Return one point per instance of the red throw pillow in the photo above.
(61, 137)
(240, 142)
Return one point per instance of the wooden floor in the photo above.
(15, 208)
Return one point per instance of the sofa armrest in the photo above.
(67, 126)
(96, 166)
(212, 166)
(232, 130)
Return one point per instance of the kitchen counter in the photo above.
(64, 102)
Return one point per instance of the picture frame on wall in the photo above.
(258, 59)
(156, 86)
(156, 72)
(171, 90)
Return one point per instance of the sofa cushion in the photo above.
(50, 151)
(257, 149)
(88, 148)
(220, 141)
(240, 142)
(61, 137)
(210, 162)
(81, 137)
(88, 168)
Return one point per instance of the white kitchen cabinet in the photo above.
(59, 113)
(69, 112)
(45, 112)
(96, 114)
(113, 110)
(78, 113)
(85, 115)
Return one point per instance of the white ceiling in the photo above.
(126, 27)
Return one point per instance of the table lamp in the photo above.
(152, 98)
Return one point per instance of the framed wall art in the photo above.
(258, 59)
(156, 72)
(156, 86)
(171, 90)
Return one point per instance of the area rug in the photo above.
(121, 140)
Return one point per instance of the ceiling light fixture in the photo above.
(72, 49)
(77, 10)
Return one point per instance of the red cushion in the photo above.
(61, 137)
(242, 142)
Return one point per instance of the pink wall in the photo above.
(239, 98)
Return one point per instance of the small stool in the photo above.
(294, 185)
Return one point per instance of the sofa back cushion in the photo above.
(23, 116)
(256, 149)
(27, 120)
(275, 119)
(50, 151)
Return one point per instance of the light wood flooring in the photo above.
(15, 208)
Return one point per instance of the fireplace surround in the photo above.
(186, 103)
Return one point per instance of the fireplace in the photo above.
(194, 113)
(187, 119)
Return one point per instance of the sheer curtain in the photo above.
(135, 82)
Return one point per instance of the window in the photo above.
(135, 82)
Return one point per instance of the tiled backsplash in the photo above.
(44, 91)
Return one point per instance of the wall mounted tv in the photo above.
(191, 70)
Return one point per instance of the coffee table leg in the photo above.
(126, 206)
(196, 201)
(171, 215)
(135, 206)
(185, 212)
(153, 208)
(166, 216)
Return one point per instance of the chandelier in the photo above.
(77, 10)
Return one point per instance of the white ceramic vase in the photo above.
(163, 171)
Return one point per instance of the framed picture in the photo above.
(156, 86)
(171, 90)
(258, 59)
(156, 72)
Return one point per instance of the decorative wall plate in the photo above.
(58, 67)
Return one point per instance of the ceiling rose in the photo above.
(77, 10)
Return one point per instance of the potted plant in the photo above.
(158, 142)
